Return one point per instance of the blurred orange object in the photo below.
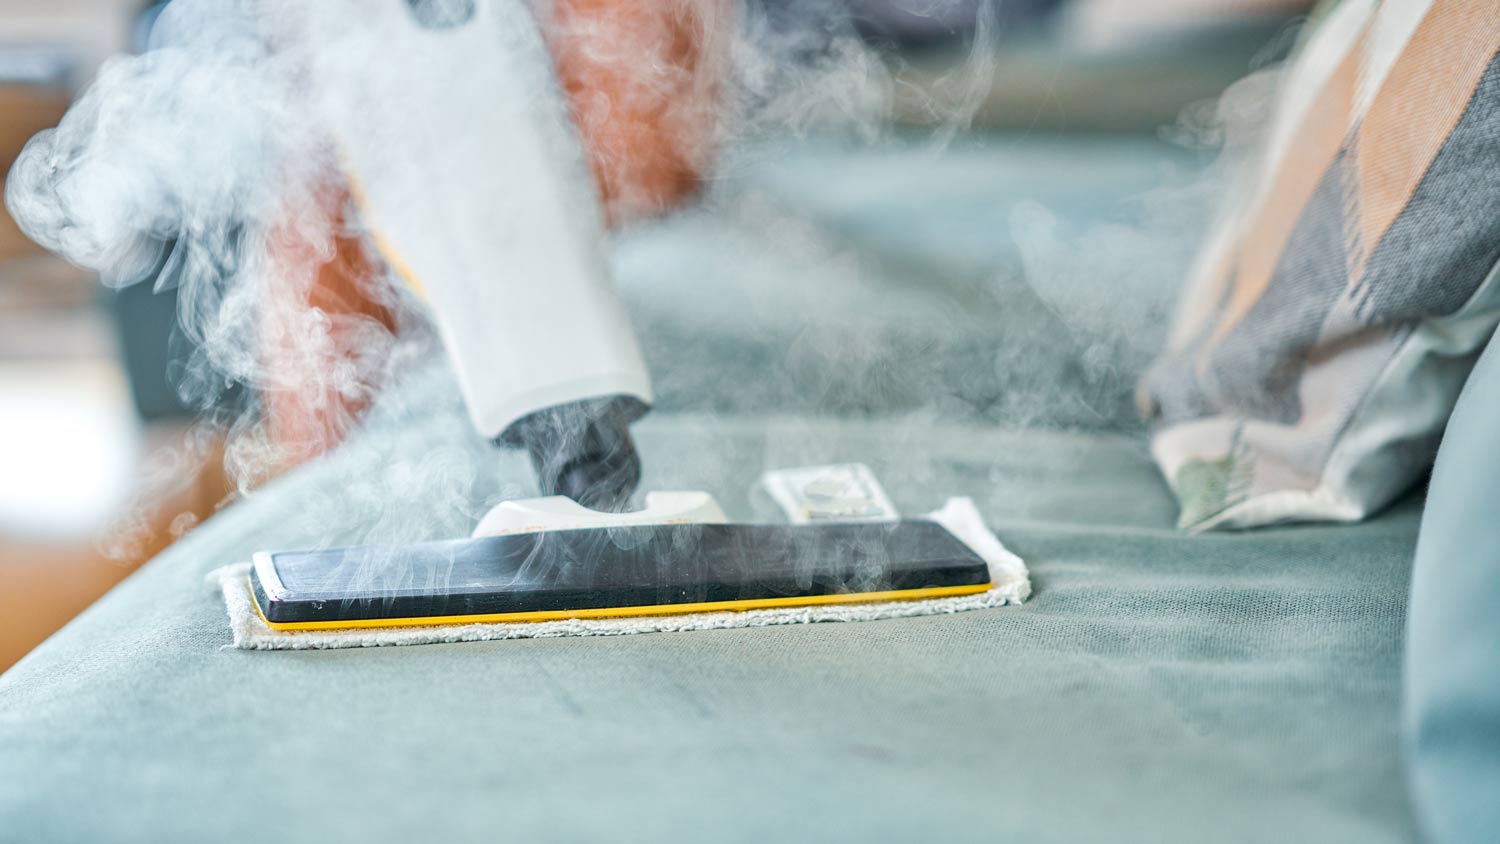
(25, 109)
(322, 333)
(643, 79)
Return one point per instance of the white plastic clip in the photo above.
(843, 492)
(558, 512)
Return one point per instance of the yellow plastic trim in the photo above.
(630, 612)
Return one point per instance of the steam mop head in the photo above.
(595, 582)
(640, 570)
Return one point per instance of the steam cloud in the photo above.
(201, 163)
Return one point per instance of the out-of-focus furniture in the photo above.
(73, 445)
(33, 96)
(86, 495)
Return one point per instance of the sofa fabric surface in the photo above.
(1157, 687)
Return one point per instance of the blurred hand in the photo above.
(320, 324)
(642, 78)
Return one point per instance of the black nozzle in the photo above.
(583, 450)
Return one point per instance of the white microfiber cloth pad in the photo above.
(1011, 585)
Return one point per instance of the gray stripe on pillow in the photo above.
(1448, 235)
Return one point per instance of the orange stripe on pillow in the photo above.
(1319, 139)
(1420, 102)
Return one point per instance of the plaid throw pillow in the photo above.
(1331, 322)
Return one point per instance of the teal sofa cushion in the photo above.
(1157, 687)
(1452, 714)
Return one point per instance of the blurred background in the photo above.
(100, 466)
